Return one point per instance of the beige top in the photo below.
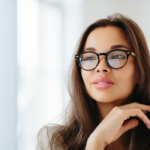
(45, 134)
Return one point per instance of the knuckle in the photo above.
(137, 110)
(124, 114)
(121, 111)
(116, 108)
(136, 103)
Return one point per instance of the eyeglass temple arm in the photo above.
(133, 54)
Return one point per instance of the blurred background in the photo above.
(37, 42)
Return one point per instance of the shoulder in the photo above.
(44, 137)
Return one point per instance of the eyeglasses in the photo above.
(115, 59)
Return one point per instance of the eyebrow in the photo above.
(112, 47)
(119, 46)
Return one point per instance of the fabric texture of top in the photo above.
(46, 133)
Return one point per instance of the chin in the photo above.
(102, 98)
(105, 98)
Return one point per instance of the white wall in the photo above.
(48, 31)
(8, 96)
(135, 9)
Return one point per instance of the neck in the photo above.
(105, 108)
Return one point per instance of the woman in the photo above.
(109, 89)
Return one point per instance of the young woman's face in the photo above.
(102, 39)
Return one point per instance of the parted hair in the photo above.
(82, 113)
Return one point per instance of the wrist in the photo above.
(94, 143)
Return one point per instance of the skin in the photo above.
(102, 39)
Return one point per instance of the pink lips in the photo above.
(105, 85)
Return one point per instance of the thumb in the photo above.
(129, 125)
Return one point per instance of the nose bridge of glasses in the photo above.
(102, 54)
(102, 60)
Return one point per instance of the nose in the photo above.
(102, 65)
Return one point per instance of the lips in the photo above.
(103, 79)
(105, 83)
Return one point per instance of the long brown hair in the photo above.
(82, 117)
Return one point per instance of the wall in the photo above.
(136, 9)
(8, 79)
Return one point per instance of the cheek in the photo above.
(127, 77)
(86, 75)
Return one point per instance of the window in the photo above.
(48, 32)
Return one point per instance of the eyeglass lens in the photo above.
(116, 59)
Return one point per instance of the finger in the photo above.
(138, 113)
(129, 125)
(136, 105)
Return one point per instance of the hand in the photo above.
(112, 127)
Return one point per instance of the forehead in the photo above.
(103, 38)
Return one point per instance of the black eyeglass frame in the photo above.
(128, 53)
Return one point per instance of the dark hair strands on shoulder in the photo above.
(83, 113)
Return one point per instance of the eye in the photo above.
(118, 56)
(89, 58)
